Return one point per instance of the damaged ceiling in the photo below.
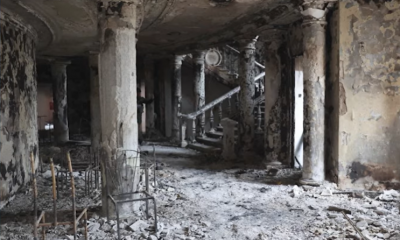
(69, 28)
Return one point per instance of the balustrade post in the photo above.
(229, 107)
(259, 129)
(194, 132)
(212, 119)
(220, 113)
(237, 101)
(183, 133)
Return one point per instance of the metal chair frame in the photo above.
(114, 198)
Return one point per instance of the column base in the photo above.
(273, 164)
(184, 144)
(309, 182)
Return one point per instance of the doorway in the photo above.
(298, 112)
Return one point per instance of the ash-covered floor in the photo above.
(199, 200)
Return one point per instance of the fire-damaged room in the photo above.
(200, 119)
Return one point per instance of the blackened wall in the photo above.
(18, 119)
(78, 98)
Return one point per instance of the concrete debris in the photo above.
(296, 191)
(215, 204)
(338, 209)
(362, 225)
(93, 226)
(326, 192)
(139, 226)
(390, 195)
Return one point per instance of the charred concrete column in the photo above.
(177, 88)
(149, 80)
(60, 114)
(95, 117)
(18, 105)
(246, 101)
(199, 90)
(314, 25)
(272, 132)
(118, 108)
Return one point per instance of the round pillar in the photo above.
(149, 80)
(118, 103)
(246, 94)
(314, 30)
(95, 117)
(60, 114)
(272, 85)
(177, 88)
(199, 90)
(18, 105)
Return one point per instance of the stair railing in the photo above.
(196, 118)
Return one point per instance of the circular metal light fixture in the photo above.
(213, 57)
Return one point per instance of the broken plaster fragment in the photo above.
(313, 12)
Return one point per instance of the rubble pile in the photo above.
(195, 202)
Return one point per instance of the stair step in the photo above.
(210, 141)
(203, 148)
(215, 134)
(221, 129)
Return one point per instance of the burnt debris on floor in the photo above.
(196, 201)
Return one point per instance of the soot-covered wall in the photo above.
(18, 112)
(368, 94)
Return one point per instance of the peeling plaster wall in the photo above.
(18, 107)
(369, 94)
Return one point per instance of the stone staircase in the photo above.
(212, 141)
(226, 73)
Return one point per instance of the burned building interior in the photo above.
(200, 119)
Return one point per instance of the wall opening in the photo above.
(298, 112)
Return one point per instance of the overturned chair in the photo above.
(124, 175)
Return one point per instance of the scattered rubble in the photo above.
(196, 202)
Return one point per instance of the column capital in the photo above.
(314, 11)
(116, 14)
(272, 39)
(248, 46)
(272, 46)
(178, 59)
(198, 56)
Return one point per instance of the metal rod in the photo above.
(354, 226)
(155, 162)
(40, 218)
(80, 216)
(86, 228)
(34, 196)
(49, 224)
(117, 212)
(53, 178)
(44, 227)
(73, 191)
(146, 173)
